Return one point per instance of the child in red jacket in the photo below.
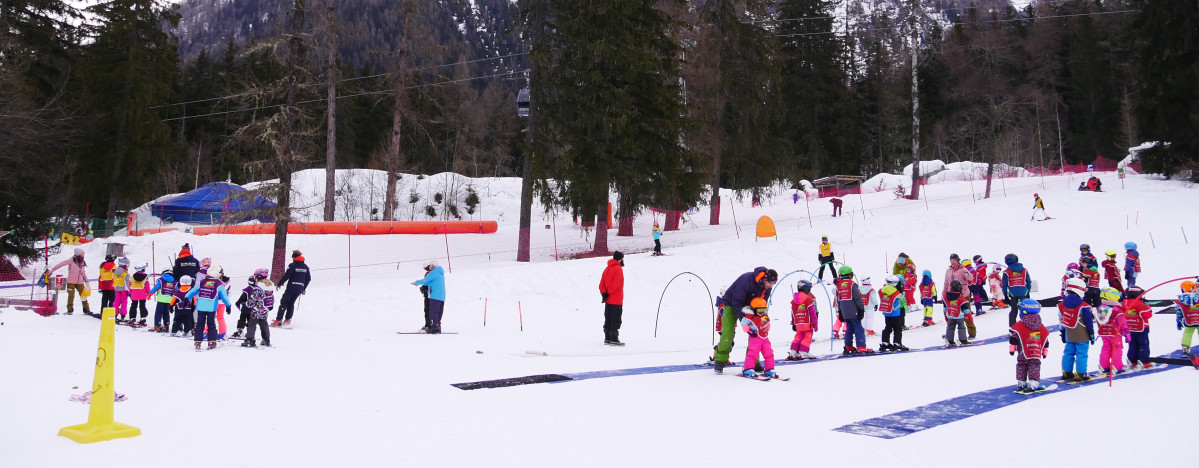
(757, 326)
(804, 320)
(1137, 314)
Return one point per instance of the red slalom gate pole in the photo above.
(484, 312)
(349, 259)
(808, 203)
(554, 220)
(444, 231)
(522, 316)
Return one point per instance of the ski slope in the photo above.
(343, 389)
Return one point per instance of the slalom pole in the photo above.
(735, 226)
(448, 266)
(484, 311)
(808, 204)
(522, 316)
(1151, 240)
(1163, 283)
(1184, 235)
(663, 296)
(850, 228)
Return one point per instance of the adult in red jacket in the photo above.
(611, 288)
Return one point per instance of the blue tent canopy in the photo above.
(213, 203)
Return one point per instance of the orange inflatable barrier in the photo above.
(365, 228)
(146, 232)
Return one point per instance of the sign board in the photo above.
(1090, 168)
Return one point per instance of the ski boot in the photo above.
(141, 323)
(1186, 351)
(965, 343)
(266, 343)
(899, 347)
(1081, 377)
(276, 323)
(758, 366)
(749, 373)
(197, 346)
(1023, 389)
(836, 335)
(719, 366)
(793, 355)
(928, 322)
(211, 345)
(248, 343)
(885, 347)
(950, 344)
(865, 350)
(288, 322)
(770, 373)
(849, 351)
(236, 334)
(1147, 366)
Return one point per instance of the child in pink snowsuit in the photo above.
(804, 320)
(757, 326)
(1113, 330)
(120, 284)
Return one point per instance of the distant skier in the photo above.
(139, 290)
(120, 288)
(76, 280)
(1113, 331)
(1029, 338)
(185, 321)
(611, 289)
(297, 278)
(836, 206)
(260, 297)
(756, 324)
(435, 280)
(825, 257)
(1090, 273)
(186, 264)
(755, 284)
(207, 295)
(1132, 263)
(164, 298)
(805, 321)
(870, 296)
(851, 307)
(977, 287)
(1016, 285)
(657, 232)
(1137, 314)
(108, 294)
(1078, 331)
(1038, 206)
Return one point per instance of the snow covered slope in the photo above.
(343, 389)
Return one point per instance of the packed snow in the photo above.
(342, 388)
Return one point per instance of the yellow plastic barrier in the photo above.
(100, 425)
(766, 228)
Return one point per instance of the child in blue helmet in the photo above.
(1016, 285)
(928, 296)
(1028, 341)
(1132, 263)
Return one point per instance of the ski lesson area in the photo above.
(612, 360)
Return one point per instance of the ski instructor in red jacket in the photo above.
(611, 288)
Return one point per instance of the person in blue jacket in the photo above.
(1016, 285)
(297, 278)
(435, 280)
(757, 283)
(206, 295)
(657, 232)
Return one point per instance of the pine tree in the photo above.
(1168, 76)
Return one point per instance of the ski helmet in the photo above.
(1084, 248)
(78, 252)
(1110, 296)
(771, 276)
(431, 264)
(926, 273)
(109, 258)
(123, 261)
(1190, 286)
(1072, 266)
(205, 263)
(1130, 245)
(141, 267)
(1073, 273)
(893, 280)
(845, 270)
(1133, 292)
(866, 281)
(758, 303)
(1010, 259)
(1110, 252)
(1088, 261)
(804, 285)
(1076, 286)
(1036, 195)
(978, 259)
(186, 281)
(955, 286)
(967, 262)
(165, 272)
(261, 273)
(1029, 306)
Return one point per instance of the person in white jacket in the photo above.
(872, 302)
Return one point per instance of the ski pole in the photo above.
(1151, 240)
(522, 316)
(484, 312)
(1184, 234)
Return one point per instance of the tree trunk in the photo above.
(282, 218)
(525, 232)
(331, 128)
(915, 104)
(601, 230)
(393, 149)
(285, 153)
(990, 173)
(624, 215)
(714, 201)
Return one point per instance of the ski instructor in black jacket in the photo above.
(297, 279)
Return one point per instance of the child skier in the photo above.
(804, 321)
(1016, 285)
(971, 331)
(995, 282)
(928, 295)
(107, 294)
(852, 309)
(1113, 330)
(139, 289)
(1132, 263)
(893, 307)
(1072, 271)
(164, 299)
(657, 239)
(1188, 313)
(956, 306)
(757, 326)
(1031, 339)
(871, 298)
(1090, 271)
(1078, 332)
(910, 285)
(259, 300)
(207, 295)
(120, 287)
(978, 288)
(1111, 272)
(184, 308)
(1137, 314)
(1038, 206)
(1084, 253)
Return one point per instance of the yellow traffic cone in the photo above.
(100, 426)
